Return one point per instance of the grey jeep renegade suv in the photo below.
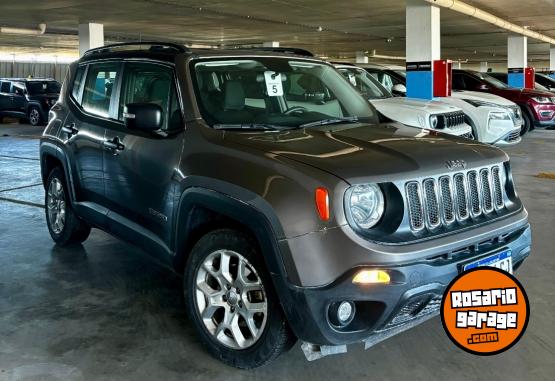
(265, 179)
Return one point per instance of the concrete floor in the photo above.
(105, 310)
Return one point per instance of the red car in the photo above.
(538, 107)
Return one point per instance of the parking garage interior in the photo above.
(108, 310)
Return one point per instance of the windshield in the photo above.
(367, 85)
(43, 87)
(276, 92)
(491, 81)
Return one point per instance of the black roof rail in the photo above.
(152, 46)
(296, 51)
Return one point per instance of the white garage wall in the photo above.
(34, 69)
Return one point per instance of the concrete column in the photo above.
(90, 36)
(271, 44)
(552, 61)
(483, 67)
(361, 57)
(517, 59)
(423, 46)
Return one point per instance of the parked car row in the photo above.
(28, 99)
(267, 180)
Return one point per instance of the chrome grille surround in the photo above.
(441, 201)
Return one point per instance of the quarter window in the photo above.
(77, 82)
(99, 88)
(5, 87)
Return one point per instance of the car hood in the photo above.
(484, 97)
(511, 91)
(411, 112)
(374, 153)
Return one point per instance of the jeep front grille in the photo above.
(433, 202)
(451, 119)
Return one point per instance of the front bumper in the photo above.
(413, 296)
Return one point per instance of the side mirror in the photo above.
(142, 116)
(399, 90)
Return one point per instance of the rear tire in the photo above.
(63, 224)
(230, 299)
(34, 116)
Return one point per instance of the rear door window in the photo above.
(100, 88)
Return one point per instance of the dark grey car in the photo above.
(264, 178)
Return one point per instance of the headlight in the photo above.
(542, 99)
(365, 205)
(499, 115)
(433, 121)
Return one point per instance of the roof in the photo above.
(161, 51)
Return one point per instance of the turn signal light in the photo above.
(371, 277)
(322, 203)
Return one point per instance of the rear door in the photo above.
(139, 175)
(93, 109)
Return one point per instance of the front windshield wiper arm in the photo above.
(249, 126)
(350, 119)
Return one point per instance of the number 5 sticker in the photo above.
(273, 84)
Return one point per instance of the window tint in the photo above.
(471, 83)
(77, 82)
(458, 81)
(18, 88)
(98, 88)
(151, 83)
(5, 87)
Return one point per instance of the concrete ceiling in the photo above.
(346, 26)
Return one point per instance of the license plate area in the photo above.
(502, 260)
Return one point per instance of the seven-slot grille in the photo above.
(451, 119)
(433, 202)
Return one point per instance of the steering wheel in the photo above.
(295, 109)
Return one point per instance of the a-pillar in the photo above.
(423, 47)
(90, 36)
(517, 60)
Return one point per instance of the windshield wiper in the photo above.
(249, 126)
(350, 119)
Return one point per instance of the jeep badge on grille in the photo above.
(455, 164)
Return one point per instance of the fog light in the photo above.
(342, 313)
(371, 277)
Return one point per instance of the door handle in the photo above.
(70, 130)
(113, 145)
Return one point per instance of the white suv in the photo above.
(494, 120)
(418, 113)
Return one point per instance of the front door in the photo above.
(139, 174)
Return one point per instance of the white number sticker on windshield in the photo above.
(273, 84)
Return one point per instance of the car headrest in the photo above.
(234, 98)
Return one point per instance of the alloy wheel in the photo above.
(230, 299)
(56, 206)
(34, 117)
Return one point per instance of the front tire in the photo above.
(526, 123)
(63, 224)
(232, 303)
(34, 116)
